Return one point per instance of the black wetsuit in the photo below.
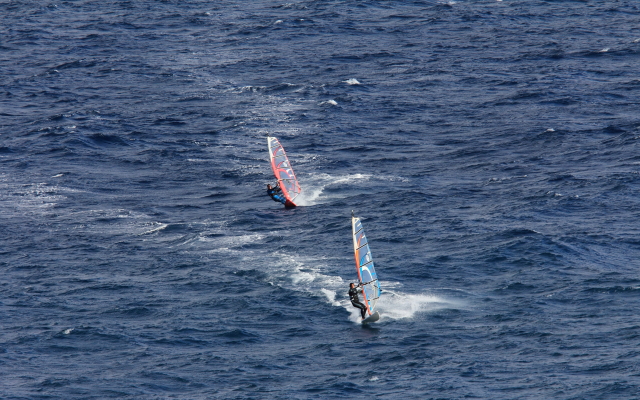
(355, 300)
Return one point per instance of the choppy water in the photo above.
(491, 148)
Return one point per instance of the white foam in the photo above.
(606, 49)
(157, 229)
(309, 197)
(403, 306)
(331, 296)
(68, 331)
(508, 178)
(200, 160)
(352, 81)
(351, 178)
(304, 274)
(313, 186)
(398, 306)
(250, 88)
(302, 277)
(227, 242)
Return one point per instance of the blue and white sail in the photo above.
(364, 266)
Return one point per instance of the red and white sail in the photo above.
(283, 171)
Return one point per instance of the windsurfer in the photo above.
(355, 300)
(276, 193)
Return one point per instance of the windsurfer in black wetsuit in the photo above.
(276, 193)
(355, 300)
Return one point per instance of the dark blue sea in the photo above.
(491, 148)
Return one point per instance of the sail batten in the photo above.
(364, 265)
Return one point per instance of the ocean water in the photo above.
(491, 149)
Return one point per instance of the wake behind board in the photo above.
(371, 318)
(283, 172)
(367, 276)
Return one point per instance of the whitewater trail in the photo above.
(304, 275)
(319, 188)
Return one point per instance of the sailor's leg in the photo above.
(362, 307)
